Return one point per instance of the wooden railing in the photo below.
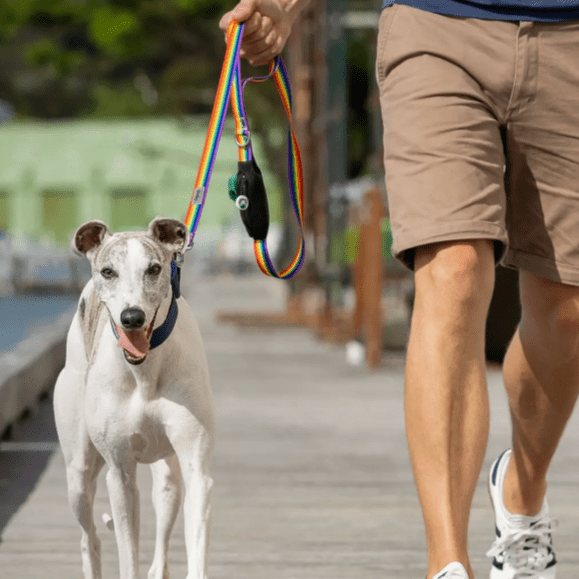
(28, 266)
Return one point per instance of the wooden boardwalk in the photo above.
(312, 478)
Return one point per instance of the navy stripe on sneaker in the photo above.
(496, 468)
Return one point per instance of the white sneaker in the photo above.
(453, 570)
(523, 548)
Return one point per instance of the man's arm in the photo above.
(268, 24)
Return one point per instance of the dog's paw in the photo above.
(108, 521)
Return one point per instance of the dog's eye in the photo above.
(155, 269)
(108, 273)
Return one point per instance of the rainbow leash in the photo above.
(253, 207)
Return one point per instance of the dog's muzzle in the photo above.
(133, 338)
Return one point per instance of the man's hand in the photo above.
(268, 24)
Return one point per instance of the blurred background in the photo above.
(104, 107)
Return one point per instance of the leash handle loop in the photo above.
(231, 87)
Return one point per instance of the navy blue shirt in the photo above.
(536, 10)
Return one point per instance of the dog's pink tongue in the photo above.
(135, 342)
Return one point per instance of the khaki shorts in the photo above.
(481, 134)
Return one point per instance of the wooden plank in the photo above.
(312, 477)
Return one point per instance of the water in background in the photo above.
(21, 316)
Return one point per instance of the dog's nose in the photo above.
(133, 318)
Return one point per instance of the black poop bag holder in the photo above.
(247, 189)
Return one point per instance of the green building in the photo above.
(56, 175)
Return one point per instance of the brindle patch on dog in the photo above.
(92, 323)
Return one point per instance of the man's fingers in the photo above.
(225, 21)
(253, 25)
(264, 36)
(261, 45)
(268, 54)
(242, 12)
(261, 33)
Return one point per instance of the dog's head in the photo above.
(132, 275)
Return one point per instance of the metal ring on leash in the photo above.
(246, 138)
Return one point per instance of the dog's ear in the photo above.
(169, 231)
(89, 237)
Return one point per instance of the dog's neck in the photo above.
(168, 309)
(167, 312)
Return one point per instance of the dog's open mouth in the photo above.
(135, 343)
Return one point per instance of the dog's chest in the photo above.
(125, 424)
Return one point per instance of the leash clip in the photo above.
(179, 256)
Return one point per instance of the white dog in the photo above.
(135, 389)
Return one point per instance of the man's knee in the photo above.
(457, 272)
(551, 310)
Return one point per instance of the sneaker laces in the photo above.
(527, 550)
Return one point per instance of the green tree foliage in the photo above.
(66, 58)
(121, 58)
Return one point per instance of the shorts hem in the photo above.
(541, 266)
(462, 231)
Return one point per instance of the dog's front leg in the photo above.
(81, 474)
(195, 460)
(166, 501)
(124, 497)
(83, 461)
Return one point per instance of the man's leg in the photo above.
(541, 371)
(446, 399)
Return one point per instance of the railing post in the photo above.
(373, 276)
(358, 272)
